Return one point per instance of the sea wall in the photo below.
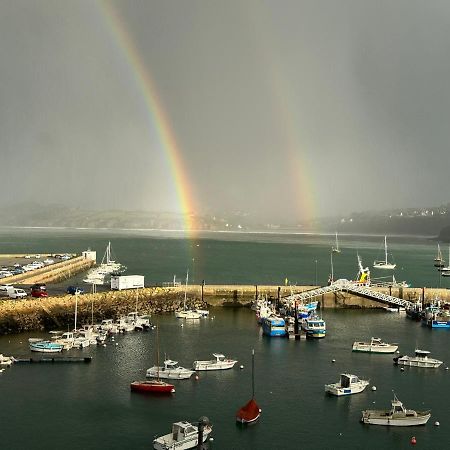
(58, 312)
(50, 274)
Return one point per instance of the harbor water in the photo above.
(54, 406)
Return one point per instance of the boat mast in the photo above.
(337, 243)
(332, 269)
(185, 290)
(76, 309)
(157, 351)
(385, 250)
(253, 373)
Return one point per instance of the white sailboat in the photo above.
(187, 313)
(445, 271)
(385, 264)
(439, 261)
(336, 249)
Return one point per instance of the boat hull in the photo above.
(213, 365)
(377, 418)
(169, 374)
(337, 390)
(367, 348)
(157, 387)
(430, 364)
(166, 442)
(249, 413)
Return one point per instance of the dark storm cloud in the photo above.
(363, 84)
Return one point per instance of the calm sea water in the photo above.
(68, 406)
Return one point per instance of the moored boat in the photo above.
(273, 326)
(171, 370)
(251, 411)
(314, 327)
(220, 363)
(184, 435)
(376, 345)
(397, 416)
(420, 359)
(347, 385)
(156, 386)
(6, 360)
(44, 346)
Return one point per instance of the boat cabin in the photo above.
(347, 380)
(181, 430)
(397, 407)
(422, 353)
(219, 357)
(170, 365)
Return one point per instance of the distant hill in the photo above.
(426, 222)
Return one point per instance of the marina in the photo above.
(282, 383)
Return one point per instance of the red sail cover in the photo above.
(248, 413)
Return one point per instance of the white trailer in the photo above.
(127, 282)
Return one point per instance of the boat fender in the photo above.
(413, 440)
(402, 369)
(374, 388)
(333, 360)
(241, 367)
(436, 424)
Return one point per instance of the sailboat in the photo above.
(384, 264)
(439, 261)
(187, 313)
(445, 271)
(250, 412)
(336, 249)
(155, 385)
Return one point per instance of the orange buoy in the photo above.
(413, 440)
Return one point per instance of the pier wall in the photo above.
(58, 312)
(52, 273)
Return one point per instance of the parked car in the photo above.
(38, 293)
(17, 293)
(5, 289)
(74, 290)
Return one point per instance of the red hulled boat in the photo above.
(250, 412)
(156, 386)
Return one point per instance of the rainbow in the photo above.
(156, 114)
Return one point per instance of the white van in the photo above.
(17, 293)
(5, 289)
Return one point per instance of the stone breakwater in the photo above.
(58, 312)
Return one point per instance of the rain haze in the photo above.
(288, 108)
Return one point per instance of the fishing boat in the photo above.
(414, 310)
(314, 327)
(170, 370)
(420, 359)
(250, 412)
(384, 264)
(184, 435)
(376, 345)
(336, 248)
(397, 416)
(43, 346)
(187, 313)
(156, 385)
(347, 385)
(219, 363)
(306, 309)
(274, 326)
(439, 261)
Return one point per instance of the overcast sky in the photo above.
(280, 108)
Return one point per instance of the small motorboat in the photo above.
(170, 370)
(6, 360)
(420, 359)
(347, 385)
(397, 416)
(376, 345)
(154, 386)
(184, 435)
(220, 363)
(44, 346)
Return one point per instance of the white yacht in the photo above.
(397, 416)
(420, 359)
(347, 385)
(170, 370)
(376, 345)
(384, 264)
(220, 363)
(184, 435)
